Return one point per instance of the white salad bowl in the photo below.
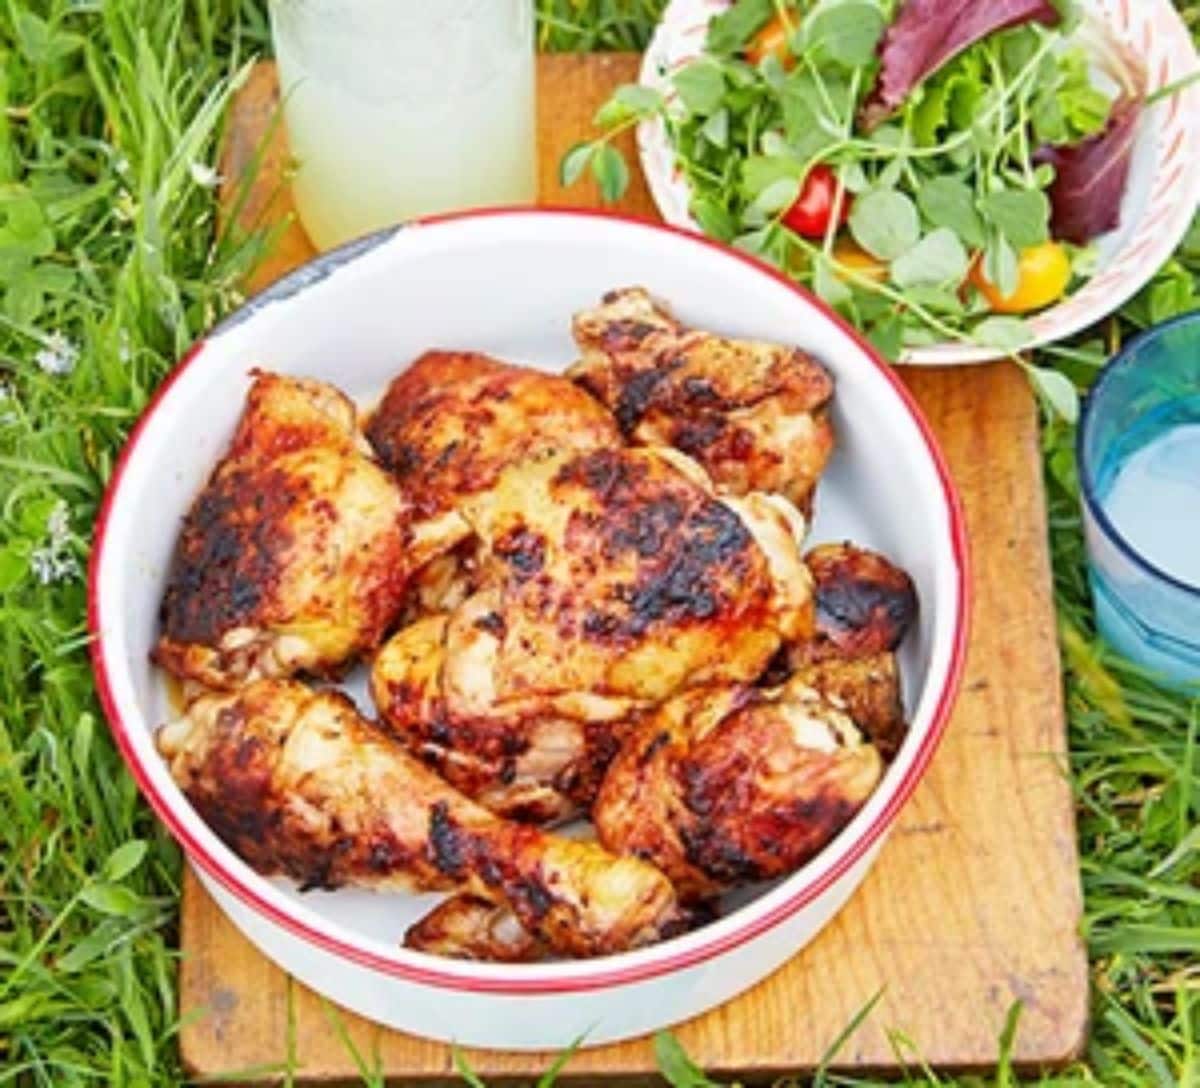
(1160, 198)
(507, 282)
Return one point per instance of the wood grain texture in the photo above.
(975, 900)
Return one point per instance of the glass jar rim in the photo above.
(1088, 483)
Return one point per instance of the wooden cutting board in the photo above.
(975, 901)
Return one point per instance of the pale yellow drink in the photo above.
(399, 108)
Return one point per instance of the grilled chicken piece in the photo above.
(465, 927)
(296, 553)
(614, 579)
(616, 572)
(866, 688)
(453, 421)
(538, 760)
(865, 604)
(297, 782)
(727, 785)
(754, 414)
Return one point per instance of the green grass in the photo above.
(110, 262)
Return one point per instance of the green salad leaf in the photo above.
(732, 29)
(947, 201)
(937, 260)
(701, 87)
(885, 223)
(1022, 216)
(847, 33)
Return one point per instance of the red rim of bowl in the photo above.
(615, 976)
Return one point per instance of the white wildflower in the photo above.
(124, 348)
(58, 355)
(54, 560)
(204, 175)
(121, 165)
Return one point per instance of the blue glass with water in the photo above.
(1139, 462)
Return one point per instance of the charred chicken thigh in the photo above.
(298, 782)
(612, 580)
(865, 606)
(450, 424)
(754, 414)
(295, 554)
(722, 786)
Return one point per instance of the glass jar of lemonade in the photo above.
(400, 108)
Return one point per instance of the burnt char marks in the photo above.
(230, 554)
(688, 551)
(637, 395)
(605, 472)
(865, 604)
(660, 741)
(647, 529)
(846, 603)
(524, 551)
(492, 623)
(457, 852)
(740, 837)
(690, 585)
(698, 435)
(626, 334)
(445, 842)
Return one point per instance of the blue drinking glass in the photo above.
(1139, 468)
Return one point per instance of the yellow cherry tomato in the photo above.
(771, 39)
(849, 255)
(1043, 273)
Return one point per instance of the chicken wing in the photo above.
(754, 414)
(297, 782)
(296, 553)
(614, 580)
(453, 421)
(727, 785)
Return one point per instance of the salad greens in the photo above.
(966, 140)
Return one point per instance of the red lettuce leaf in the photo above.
(927, 33)
(1090, 177)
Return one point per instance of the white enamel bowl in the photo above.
(1160, 199)
(507, 282)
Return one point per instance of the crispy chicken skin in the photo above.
(297, 782)
(538, 760)
(726, 785)
(465, 927)
(754, 414)
(616, 572)
(614, 580)
(865, 603)
(865, 606)
(453, 421)
(867, 689)
(295, 555)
